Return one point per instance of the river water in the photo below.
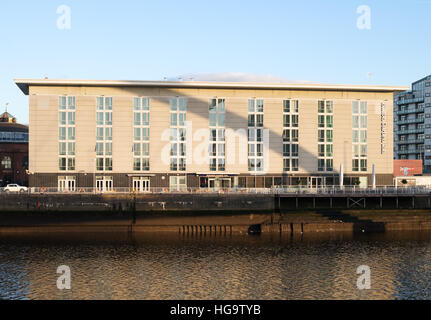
(163, 266)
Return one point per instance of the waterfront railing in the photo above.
(287, 190)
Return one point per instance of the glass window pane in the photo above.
(146, 104)
(108, 103)
(62, 118)
(137, 104)
(137, 149)
(146, 119)
(183, 104)
(213, 119)
(286, 106)
(321, 106)
(174, 119)
(363, 122)
(137, 164)
(137, 119)
(71, 148)
(355, 107)
(108, 118)
(182, 120)
(213, 105)
(363, 107)
(62, 148)
(71, 133)
(329, 107)
(355, 122)
(137, 134)
(108, 135)
(259, 105)
(146, 149)
(221, 105)
(251, 106)
(62, 103)
(99, 118)
(221, 120)
(173, 103)
(71, 118)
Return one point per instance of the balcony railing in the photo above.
(412, 151)
(282, 190)
(410, 131)
(411, 141)
(417, 110)
(407, 121)
(411, 100)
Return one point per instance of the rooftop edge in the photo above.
(24, 85)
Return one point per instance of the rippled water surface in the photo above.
(243, 267)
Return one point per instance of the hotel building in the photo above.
(177, 135)
(412, 123)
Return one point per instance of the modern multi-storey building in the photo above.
(177, 135)
(13, 151)
(412, 123)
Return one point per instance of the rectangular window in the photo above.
(255, 134)
(290, 135)
(104, 121)
(325, 133)
(178, 116)
(359, 135)
(178, 183)
(217, 122)
(66, 133)
(141, 129)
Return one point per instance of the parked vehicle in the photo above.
(15, 188)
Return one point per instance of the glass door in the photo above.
(109, 186)
(141, 185)
(99, 185)
(146, 185)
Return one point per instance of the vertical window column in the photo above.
(217, 119)
(104, 134)
(141, 134)
(290, 135)
(178, 114)
(359, 136)
(325, 141)
(66, 133)
(255, 135)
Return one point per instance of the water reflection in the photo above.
(203, 267)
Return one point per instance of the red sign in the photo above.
(407, 168)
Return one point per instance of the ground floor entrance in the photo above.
(67, 184)
(316, 182)
(218, 183)
(104, 184)
(141, 185)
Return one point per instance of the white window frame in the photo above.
(69, 108)
(105, 127)
(220, 138)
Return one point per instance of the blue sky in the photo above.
(308, 40)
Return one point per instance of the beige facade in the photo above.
(44, 127)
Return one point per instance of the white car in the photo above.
(15, 188)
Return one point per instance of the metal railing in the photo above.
(410, 100)
(410, 141)
(408, 111)
(407, 121)
(282, 190)
(418, 130)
